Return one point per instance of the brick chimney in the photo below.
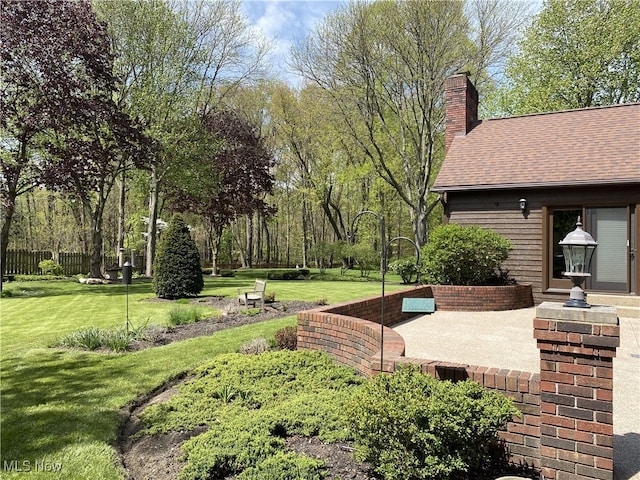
(461, 103)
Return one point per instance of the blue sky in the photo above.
(284, 22)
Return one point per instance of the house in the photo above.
(529, 178)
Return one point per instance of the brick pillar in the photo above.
(577, 347)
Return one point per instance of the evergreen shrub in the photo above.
(411, 426)
(287, 274)
(463, 255)
(177, 270)
(249, 404)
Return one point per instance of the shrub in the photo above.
(287, 338)
(322, 301)
(287, 274)
(118, 340)
(412, 426)
(269, 297)
(94, 338)
(463, 255)
(255, 347)
(322, 253)
(177, 271)
(407, 268)
(249, 403)
(49, 267)
(364, 257)
(285, 466)
(184, 316)
(87, 339)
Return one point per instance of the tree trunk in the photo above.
(241, 247)
(215, 237)
(267, 238)
(305, 233)
(30, 215)
(258, 233)
(249, 240)
(7, 216)
(96, 240)
(153, 218)
(79, 216)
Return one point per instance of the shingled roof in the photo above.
(577, 147)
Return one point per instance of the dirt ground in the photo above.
(156, 457)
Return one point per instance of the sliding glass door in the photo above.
(609, 269)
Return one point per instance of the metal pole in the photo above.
(385, 247)
(383, 267)
(127, 308)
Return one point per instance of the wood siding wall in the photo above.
(499, 210)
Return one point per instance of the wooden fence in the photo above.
(25, 262)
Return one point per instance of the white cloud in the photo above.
(285, 21)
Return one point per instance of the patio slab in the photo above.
(493, 339)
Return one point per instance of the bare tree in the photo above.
(384, 65)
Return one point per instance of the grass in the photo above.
(62, 406)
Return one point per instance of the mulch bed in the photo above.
(157, 456)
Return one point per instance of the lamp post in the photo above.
(578, 248)
(383, 267)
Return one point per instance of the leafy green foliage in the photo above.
(296, 274)
(94, 338)
(364, 257)
(285, 466)
(412, 426)
(407, 268)
(249, 404)
(185, 315)
(323, 254)
(576, 54)
(50, 267)
(463, 255)
(177, 267)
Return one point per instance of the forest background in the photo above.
(115, 115)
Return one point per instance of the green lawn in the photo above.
(60, 409)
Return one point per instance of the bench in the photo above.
(252, 296)
(418, 305)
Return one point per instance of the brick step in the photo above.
(628, 305)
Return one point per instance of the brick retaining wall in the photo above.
(566, 427)
(482, 298)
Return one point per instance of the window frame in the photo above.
(549, 283)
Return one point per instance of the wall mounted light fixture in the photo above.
(523, 204)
